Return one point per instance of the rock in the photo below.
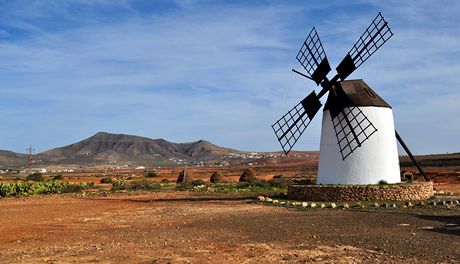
(440, 192)
(409, 204)
(421, 203)
(443, 202)
(283, 203)
(386, 205)
(393, 205)
(261, 198)
(346, 205)
(313, 205)
(268, 199)
(322, 205)
(304, 204)
(333, 205)
(275, 201)
(376, 204)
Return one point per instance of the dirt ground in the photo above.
(176, 227)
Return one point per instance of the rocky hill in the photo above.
(103, 148)
(12, 159)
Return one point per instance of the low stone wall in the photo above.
(345, 193)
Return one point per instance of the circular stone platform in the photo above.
(346, 193)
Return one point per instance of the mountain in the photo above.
(103, 148)
(7, 158)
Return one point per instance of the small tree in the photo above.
(248, 176)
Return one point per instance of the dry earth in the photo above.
(176, 227)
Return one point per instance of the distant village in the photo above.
(247, 158)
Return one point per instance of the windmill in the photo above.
(358, 139)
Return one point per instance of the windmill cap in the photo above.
(360, 94)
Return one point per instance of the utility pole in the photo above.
(29, 158)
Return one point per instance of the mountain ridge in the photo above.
(104, 147)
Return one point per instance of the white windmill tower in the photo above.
(353, 149)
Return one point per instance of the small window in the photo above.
(369, 92)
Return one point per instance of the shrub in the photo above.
(248, 176)
(151, 175)
(72, 188)
(280, 182)
(136, 186)
(383, 182)
(44, 187)
(145, 185)
(106, 180)
(198, 182)
(119, 185)
(58, 177)
(189, 184)
(36, 176)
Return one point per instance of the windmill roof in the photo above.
(360, 94)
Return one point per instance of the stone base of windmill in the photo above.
(346, 193)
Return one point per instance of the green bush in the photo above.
(119, 185)
(36, 176)
(44, 187)
(190, 184)
(58, 177)
(151, 175)
(260, 183)
(280, 182)
(136, 186)
(146, 186)
(383, 182)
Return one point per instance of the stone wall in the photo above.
(345, 193)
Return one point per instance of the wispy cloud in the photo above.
(187, 70)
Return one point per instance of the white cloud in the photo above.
(211, 72)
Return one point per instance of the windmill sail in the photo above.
(352, 128)
(291, 126)
(376, 34)
(313, 58)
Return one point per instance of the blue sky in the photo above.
(214, 70)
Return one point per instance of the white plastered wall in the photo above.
(376, 160)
